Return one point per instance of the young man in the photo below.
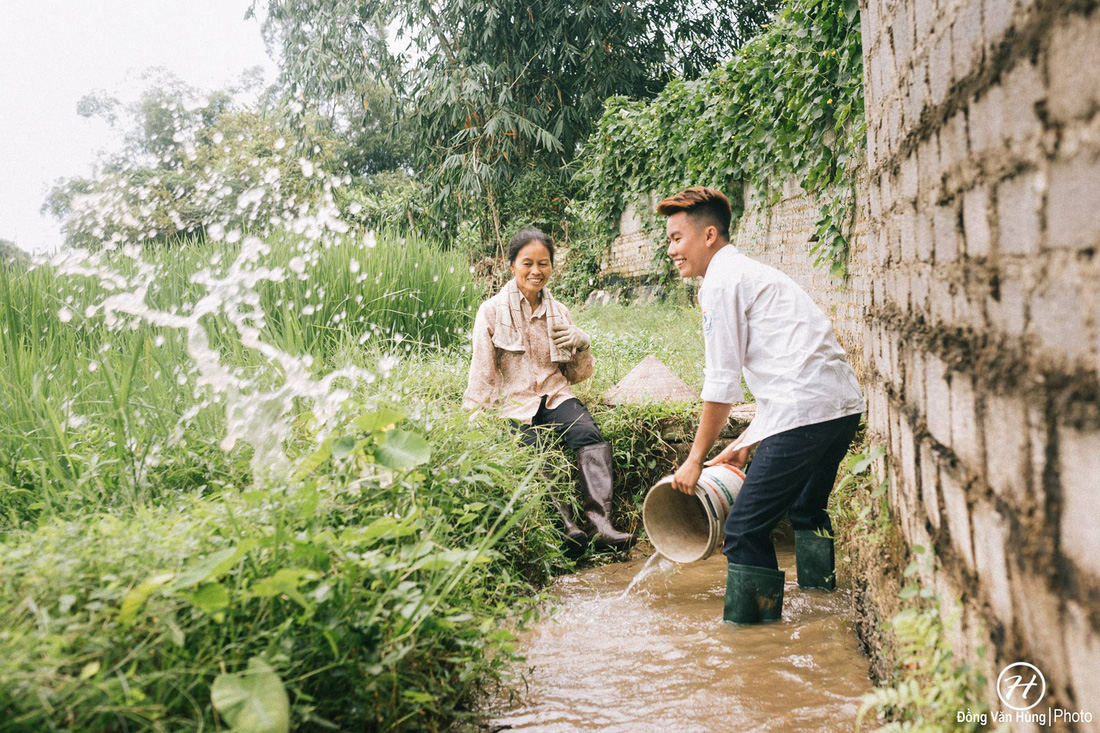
(760, 323)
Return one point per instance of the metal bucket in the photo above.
(689, 528)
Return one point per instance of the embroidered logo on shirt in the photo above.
(706, 322)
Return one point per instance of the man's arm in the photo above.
(711, 422)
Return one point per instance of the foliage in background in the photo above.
(196, 162)
(789, 105)
(191, 160)
(496, 88)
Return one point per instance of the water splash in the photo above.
(259, 404)
(258, 415)
(657, 564)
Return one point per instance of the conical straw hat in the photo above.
(650, 381)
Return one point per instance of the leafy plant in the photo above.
(930, 687)
(788, 105)
(358, 595)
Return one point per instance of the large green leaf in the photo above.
(211, 598)
(402, 449)
(135, 599)
(374, 421)
(211, 567)
(343, 446)
(253, 701)
(284, 582)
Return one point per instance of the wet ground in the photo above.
(659, 658)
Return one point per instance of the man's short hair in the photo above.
(699, 202)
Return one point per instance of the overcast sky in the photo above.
(53, 52)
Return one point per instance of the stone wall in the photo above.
(631, 255)
(983, 326)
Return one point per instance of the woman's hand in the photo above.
(568, 336)
(733, 455)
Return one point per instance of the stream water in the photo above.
(660, 658)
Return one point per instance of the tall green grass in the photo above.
(97, 417)
(139, 563)
(373, 595)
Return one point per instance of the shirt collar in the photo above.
(724, 253)
(539, 310)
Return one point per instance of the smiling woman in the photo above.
(526, 354)
(54, 53)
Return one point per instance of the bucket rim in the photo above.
(714, 525)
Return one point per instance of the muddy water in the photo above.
(659, 658)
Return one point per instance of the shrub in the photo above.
(788, 105)
(369, 586)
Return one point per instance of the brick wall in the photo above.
(631, 254)
(983, 325)
(780, 235)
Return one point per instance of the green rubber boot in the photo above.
(753, 594)
(813, 553)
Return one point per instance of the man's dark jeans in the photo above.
(791, 474)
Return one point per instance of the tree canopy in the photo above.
(493, 88)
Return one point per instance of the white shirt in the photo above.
(759, 322)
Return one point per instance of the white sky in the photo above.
(53, 52)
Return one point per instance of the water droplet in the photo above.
(64, 315)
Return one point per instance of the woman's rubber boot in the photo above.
(753, 595)
(814, 558)
(576, 539)
(594, 462)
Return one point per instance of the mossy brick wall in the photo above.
(983, 326)
(632, 254)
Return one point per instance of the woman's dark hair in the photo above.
(523, 238)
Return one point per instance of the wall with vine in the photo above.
(788, 106)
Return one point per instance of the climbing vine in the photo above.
(789, 105)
